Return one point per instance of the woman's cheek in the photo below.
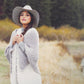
(29, 19)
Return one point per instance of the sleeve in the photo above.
(31, 46)
(9, 49)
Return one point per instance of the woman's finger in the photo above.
(21, 35)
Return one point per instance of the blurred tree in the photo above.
(43, 7)
(20, 2)
(52, 12)
(45, 12)
(8, 7)
(76, 8)
(66, 12)
(82, 11)
(2, 15)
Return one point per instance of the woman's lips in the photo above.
(23, 19)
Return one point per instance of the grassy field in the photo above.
(4, 65)
(56, 63)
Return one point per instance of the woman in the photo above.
(23, 49)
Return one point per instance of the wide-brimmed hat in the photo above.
(16, 14)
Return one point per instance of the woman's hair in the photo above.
(29, 25)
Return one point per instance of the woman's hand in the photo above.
(20, 38)
(14, 39)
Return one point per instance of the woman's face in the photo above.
(25, 18)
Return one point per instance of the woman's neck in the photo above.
(24, 25)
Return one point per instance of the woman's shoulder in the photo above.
(33, 30)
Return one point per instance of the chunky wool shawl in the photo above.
(28, 49)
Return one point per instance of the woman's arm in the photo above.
(31, 46)
(9, 49)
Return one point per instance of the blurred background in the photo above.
(61, 33)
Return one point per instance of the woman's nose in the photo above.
(23, 15)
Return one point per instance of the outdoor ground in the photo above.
(58, 62)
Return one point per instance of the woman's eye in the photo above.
(21, 15)
(27, 15)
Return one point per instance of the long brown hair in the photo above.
(29, 25)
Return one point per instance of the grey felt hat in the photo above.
(18, 9)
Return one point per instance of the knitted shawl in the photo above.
(28, 49)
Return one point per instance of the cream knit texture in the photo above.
(28, 49)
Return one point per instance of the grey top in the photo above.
(28, 49)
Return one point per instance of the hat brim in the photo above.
(18, 10)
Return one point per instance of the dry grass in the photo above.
(78, 58)
(56, 64)
(3, 44)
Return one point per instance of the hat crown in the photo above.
(27, 7)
